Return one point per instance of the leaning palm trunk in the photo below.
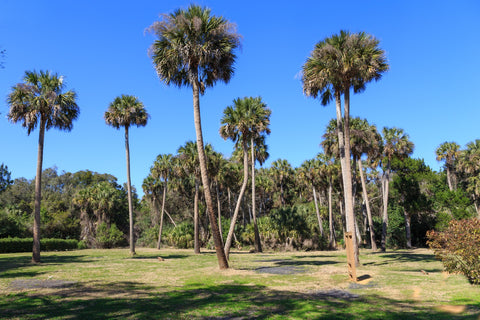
(258, 245)
(344, 148)
(38, 195)
(161, 215)
(222, 259)
(228, 243)
(129, 194)
(319, 218)
(367, 205)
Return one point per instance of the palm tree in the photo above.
(126, 111)
(449, 151)
(337, 64)
(310, 172)
(40, 100)
(469, 165)
(396, 144)
(162, 170)
(281, 171)
(196, 49)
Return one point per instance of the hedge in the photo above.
(9, 245)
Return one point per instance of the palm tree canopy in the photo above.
(248, 117)
(340, 62)
(192, 46)
(396, 143)
(41, 97)
(125, 111)
(448, 151)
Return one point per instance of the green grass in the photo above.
(111, 284)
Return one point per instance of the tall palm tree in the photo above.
(195, 48)
(396, 144)
(162, 170)
(336, 65)
(449, 151)
(41, 101)
(125, 111)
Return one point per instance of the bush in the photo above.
(10, 245)
(458, 247)
(109, 237)
(181, 236)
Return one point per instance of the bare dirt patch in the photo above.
(23, 284)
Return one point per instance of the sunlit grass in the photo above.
(302, 285)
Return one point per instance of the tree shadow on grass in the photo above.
(402, 256)
(13, 263)
(160, 254)
(130, 300)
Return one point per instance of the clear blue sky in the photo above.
(431, 89)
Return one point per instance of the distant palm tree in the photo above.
(469, 165)
(310, 172)
(449, 151)
(336, 65)
(396, 144)
(126, 111)
(162, 170)
(196, 49)
(281, 172)
(40, 100)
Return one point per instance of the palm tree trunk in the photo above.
(344, 148)
(228, 243)
(367, 205)
(219, 211)
(196, 222)
(319, 218)
(129, 193)
(38, 194)
(385, 185)
(160, 229)
(408, 233)
(449, 178)
(331, 238)
(258, 245)
(222, 259)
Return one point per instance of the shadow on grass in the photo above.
(160, 254)
(130, 300)
(12, 263)
(402, 256)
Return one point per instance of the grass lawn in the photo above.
(109, 284)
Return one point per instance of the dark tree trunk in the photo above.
(129, 195)
(408, 233)
(221, 257)
(38, 194)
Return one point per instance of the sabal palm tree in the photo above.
(449, 151)
(396, 144)
(196, 49)
(162, 171)
(281, 171)
(310, 172)
(126, 111)
(41, 101)
(469, 166)
(336, 65)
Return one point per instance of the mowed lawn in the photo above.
(109, 284)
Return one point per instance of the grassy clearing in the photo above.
(311, 285)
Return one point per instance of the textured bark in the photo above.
(344, 148)
(129, 194)
(228, 243)
(160, 229)
(258, 244)
(196, 221)
(331, 238)
(367, 205)
(408, 233)
(222, 259)
(38, 195)
(319, 218)
(385, 185)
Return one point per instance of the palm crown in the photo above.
(125, 111)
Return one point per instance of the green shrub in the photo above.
(458, 247)
(10, 245)
(181, 236)
(149, 237)
(108, 237)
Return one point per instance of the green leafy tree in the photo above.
(336, 65)
(5, 177)
(469, 165)
(126, 111)
(41, 101)
(196, 49)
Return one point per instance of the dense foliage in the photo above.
(8, 245)
(458, 246)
